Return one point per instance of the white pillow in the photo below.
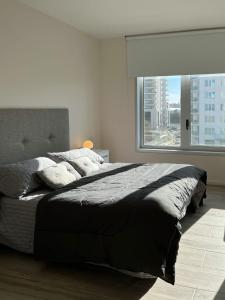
(58, 176)
(84, 165)
(76, 153)
(70, 169)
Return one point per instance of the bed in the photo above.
(124, 216)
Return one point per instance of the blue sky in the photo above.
(174, 85)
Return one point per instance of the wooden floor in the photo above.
(200, 270)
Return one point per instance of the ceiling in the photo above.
(116, 18)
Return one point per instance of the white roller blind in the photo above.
(198, 52)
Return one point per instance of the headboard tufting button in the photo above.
(51, 137)
(25, 141)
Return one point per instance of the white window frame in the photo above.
(185, 146)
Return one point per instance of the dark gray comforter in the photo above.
(126, 216)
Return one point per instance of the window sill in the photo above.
(181, 151)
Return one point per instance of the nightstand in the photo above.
(104, 153)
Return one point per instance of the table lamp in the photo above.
(88, 144)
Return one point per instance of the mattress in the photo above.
(17, 221)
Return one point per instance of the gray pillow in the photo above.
(19, 179)
(58, 176)
(84, 165)
(74, 154)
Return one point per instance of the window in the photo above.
(195, 118)
(195, 130)
(210, 95)
(209, 119)
(209, 131)
(209, 107)
(195, 84)
(181, 112)
(194, 106)
(210, 82)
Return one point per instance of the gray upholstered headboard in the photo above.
(29, 133)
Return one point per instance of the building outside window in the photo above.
(163, 103)
(209, 119)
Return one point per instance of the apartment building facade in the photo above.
(208, 110)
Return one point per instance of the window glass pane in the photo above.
(162, 111)
(208, 110)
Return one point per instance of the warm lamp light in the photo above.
(88, 144)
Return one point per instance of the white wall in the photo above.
(46, 63)
(118, 116)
